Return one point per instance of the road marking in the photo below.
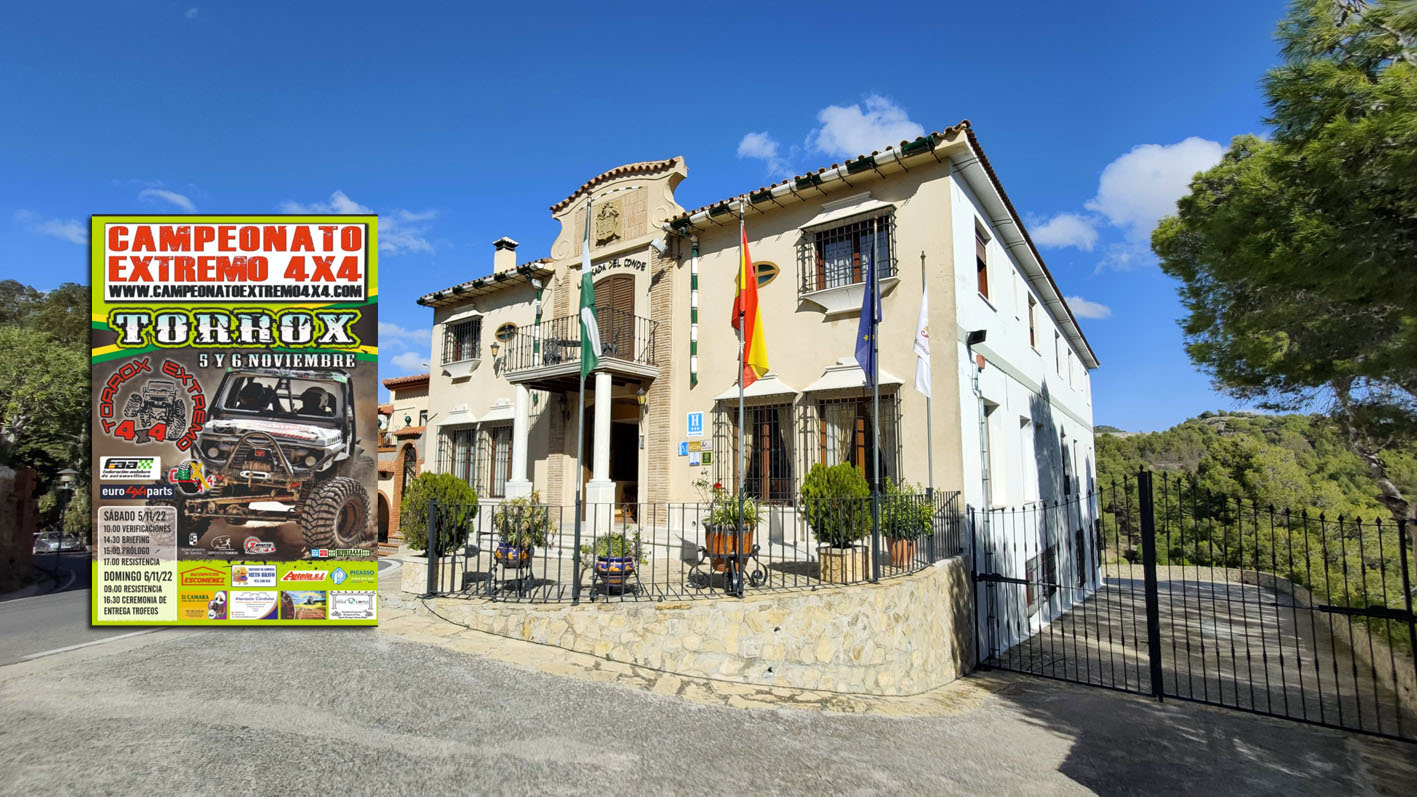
(88, 644)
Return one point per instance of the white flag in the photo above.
(922, 346)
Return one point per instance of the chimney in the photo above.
(505, 258)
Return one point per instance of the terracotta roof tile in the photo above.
(643, 167)
(405, 381)
(386, 409)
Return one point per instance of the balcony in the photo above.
(547, 356)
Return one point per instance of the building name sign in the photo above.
(620, 262)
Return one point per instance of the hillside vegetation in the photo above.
(1284, 461)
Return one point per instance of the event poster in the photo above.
(235, 420)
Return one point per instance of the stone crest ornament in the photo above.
(607, 222)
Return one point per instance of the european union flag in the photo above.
(870, 320)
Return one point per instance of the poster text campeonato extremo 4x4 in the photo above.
(235, 441)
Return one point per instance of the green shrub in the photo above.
(723, 506)
(906, 514)
(456, 504)
(625, 542)
(836, 501)
(522, 522)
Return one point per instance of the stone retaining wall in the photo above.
(902, 636)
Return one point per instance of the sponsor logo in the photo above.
(254, 605)
(353, 606)
(223, 543)
(302, 605)
(338, 576)
(201, 605)
(136, 492)
(190, 477)
(253, 575)
(258, 546)
(203, 577)
(114, 469)
(338, 553)
(306, 576)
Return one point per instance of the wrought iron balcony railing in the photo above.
(623, 336)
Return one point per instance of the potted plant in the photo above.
(612, 557)
(906, 516)
(836, 502)
(724, 539)
(521, 524)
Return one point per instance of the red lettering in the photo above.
(323, 272)
(143, 240)
(204, 236)
(226, 234)
(351, 238)
(116, 241)
(303, 241)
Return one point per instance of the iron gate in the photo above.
(1157, 587)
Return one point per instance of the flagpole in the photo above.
(929, 416)
(875, 408)
(580, 439)
(737, 585)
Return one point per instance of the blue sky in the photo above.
(460, 124)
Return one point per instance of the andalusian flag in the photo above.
(745, 309)
(590, 330)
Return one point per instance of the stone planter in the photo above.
(414, 574)
(844, 565)
(902, 552)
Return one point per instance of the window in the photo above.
(1067, 468)
(1058, 352)
(462, 341)
(766, 272)
(841, 253)
(1080, 556)
(455, 453)
(998, 493)
(497, 465)
(423, 417)
(1070, 368)
(1032, 322)
(844, 434)
(1030, 585)
(767, 453)
(506, 332)
(1050, 571)
(981, 259)
(1028, 459)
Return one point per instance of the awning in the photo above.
(500, 411)
(765, 387)
(845, 375)
(460, 416)
(855, 205)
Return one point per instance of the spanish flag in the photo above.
(745, 312)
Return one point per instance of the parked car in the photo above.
(48, 541)
(72, 542)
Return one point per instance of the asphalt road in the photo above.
(364, 712)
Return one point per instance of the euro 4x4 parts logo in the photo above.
(136, 492)
(128, 469)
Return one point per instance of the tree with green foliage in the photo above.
(44, 391)
(455, 503)
(1296, 254)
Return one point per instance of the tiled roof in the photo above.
(948, 132)
(643, 167)
(404, 381)
(386, 409)
(488, 284)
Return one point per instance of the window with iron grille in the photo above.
(494, 461)
(462, 341)
(1050, 570)
(844, 433)
(838, 256)
(455, 453)
(1030, 583)
(1080, 557)
(768, 473)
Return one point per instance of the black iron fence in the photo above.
(654, 552)
(1178, 592)
(623, 336)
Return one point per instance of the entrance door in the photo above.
(615, 314)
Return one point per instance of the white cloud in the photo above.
(400, 231)
(410, 362)
(765, 148)
(1067, 229)
(168, 196)
(1140, 187)
(390, 332)
(70, 230)
(1082, 308)
(847, 131)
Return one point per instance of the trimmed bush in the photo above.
(522, 522)
(906, 514)
(836, 501)
(457, 508)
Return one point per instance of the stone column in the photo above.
(600, 489)
(518, 485)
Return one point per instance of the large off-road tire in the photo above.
(132, 405)
(336, 515)
(176, 419)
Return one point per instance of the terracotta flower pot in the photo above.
(902, 552)
(722, 546)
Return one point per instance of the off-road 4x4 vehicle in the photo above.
(159, 401)
(286, 436)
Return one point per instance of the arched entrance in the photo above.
(383, 518)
